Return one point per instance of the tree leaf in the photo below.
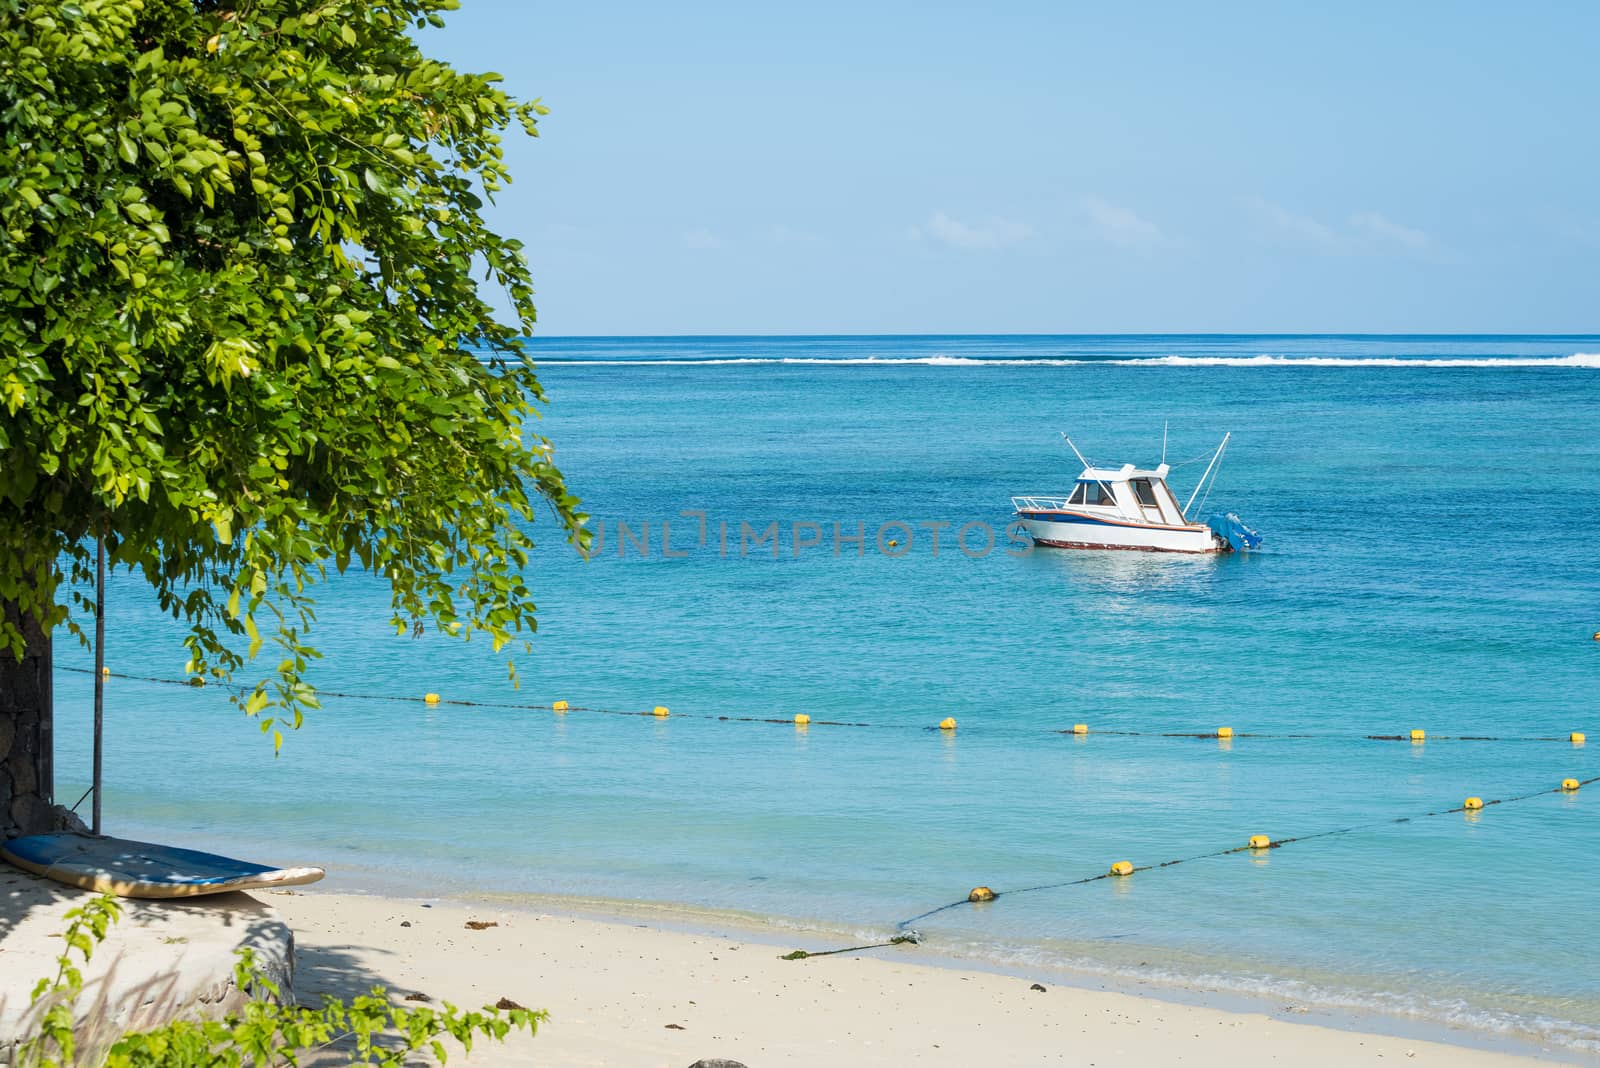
(245, 384)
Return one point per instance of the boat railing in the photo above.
(1040, 504)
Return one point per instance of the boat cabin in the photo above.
(1130, 492)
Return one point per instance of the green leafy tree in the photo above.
(241, 329)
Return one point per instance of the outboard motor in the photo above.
(1231, 529)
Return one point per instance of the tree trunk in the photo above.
(27, 774)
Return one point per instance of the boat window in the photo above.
(1142, 490)
(1169, 503)
(1092, 493)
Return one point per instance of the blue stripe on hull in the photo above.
(1067, 517)
(1090, 520)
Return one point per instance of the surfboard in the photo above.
(143, 869)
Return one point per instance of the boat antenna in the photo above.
(1163, 441)
(1075, 451)
(1208, 470)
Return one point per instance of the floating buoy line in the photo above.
(946, 726)
(1254, 845)
(1122, 869)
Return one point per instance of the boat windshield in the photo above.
(1091, 493)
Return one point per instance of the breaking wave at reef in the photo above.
(1580, 360)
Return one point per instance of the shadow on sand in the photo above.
(161, 961)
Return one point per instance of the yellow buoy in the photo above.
(1570, 784)
(662, 712)
(1419, 736)
(1224, 732)
(948, 723)
(431, 698)
(105, 673)
(560, 706)
(1472, 804)
(1576, 737)
(1597, 635)
(1080, 728)
(1260, 841)
(981, 893)
(1122, 867)
(801, 719)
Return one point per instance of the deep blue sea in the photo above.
(1430, 512)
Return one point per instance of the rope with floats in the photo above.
(1120, 869)
(1256, 844)
(947, 726)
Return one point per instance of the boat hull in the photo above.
(1070, 530)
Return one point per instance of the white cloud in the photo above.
(1362, 232)
(700, 237)
(992, 233)
(1297, 229)
(1120, 225)
(1386, 231)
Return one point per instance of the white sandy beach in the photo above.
(621, 993)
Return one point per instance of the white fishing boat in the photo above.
(1129, 507)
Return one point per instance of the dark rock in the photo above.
(30, 813)
(24, 773)
(405, 923)
(507, 1003)
(717, 1062)
(63, 818)
(1037, 986)
(481, 925)
(418, 996)
(676, 1027)
(26, 751)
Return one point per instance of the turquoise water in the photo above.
(1430, 512)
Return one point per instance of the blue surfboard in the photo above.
(143, 869)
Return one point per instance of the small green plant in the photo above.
(54, 999)
(266, 1033)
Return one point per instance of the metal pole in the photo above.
(99, 668)
(1209, 466)
(1074, 449)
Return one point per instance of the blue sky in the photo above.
(1042, 168)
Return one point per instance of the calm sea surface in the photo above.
(1430, 512)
